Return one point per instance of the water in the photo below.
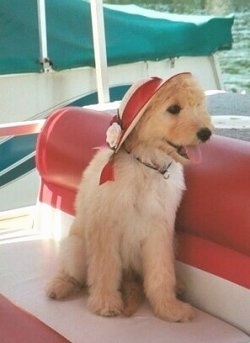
(234, 63)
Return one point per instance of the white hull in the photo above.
(34, 95)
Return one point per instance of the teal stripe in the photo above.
(15, 149)
(116, 93)
(18, 171)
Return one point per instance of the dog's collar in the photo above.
(163, 171)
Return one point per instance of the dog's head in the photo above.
(175, 120)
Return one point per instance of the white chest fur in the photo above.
(139, 201)
(148, 202)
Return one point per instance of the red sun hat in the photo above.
(131, 110)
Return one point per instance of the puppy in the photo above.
(122, 236)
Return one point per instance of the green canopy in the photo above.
(129, 37)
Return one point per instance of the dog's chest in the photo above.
(156, 195)
(153, 205)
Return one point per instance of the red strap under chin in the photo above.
(107, 173)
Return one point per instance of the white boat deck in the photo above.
(17, 225)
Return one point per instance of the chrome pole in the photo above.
(99, 43)
(44, 59)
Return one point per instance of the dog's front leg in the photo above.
(104, 273)
(159, 277)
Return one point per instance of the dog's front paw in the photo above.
(175, 311)
(107, 305)
(60, 287)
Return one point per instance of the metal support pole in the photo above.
(100, 51)
(44, 59)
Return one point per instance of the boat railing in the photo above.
(17, 162)
(17, 148)
(21, 128)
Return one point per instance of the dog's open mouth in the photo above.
(189, 152)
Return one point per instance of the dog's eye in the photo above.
(174, 109)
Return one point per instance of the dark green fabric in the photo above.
(130, 38)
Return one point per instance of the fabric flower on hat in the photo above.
(113, 135)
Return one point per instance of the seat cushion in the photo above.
(29, 264)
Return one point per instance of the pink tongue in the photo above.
(194, 153)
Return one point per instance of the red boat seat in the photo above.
(213, 222)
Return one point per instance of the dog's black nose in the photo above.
(204, 134)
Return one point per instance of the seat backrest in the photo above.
(69, 139)
(67, 143)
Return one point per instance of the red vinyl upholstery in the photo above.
(64, 148)
(213, 222)
(214, 218)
